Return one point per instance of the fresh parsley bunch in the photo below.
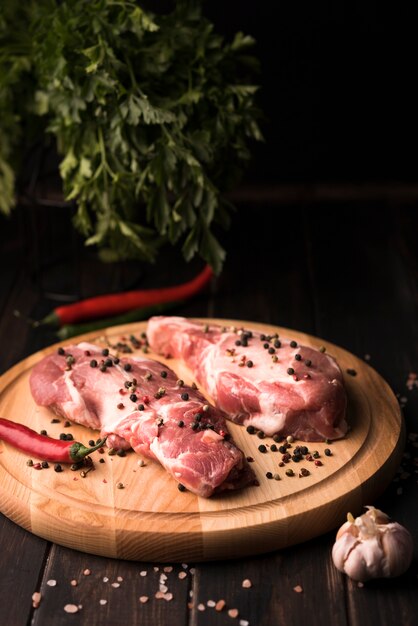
(152, 114)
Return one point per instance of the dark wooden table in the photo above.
(343, 270)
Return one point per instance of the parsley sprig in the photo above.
(153, 116)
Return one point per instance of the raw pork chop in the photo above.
(268, 382)
(140, 403)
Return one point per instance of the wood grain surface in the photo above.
(149, 519)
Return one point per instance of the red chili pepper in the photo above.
(117, 303)
(43, 447)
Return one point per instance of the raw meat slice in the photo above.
(140, 403)
(268, 382)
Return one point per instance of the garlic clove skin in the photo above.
(371, 546)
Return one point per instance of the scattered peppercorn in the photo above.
(163, 374)
(260, 434)
(61, 351)
(127, 367)
(120, 486)
(290, 371)
(55, 420)
(273, 447)
(116, 360)
(185, 396)
(133, 397)
(92, 443)
(121, 452)
(318, 463)
(304, 472)
(262, 448)
(29, 463)
(141, 407)
(269, 475)
(327, 452)
(120, 405)
(250, 429)
(180, 383)
(105, 352)
(57, 467)
(101, 460)
(322, 349)
(277, 343)
(276, 476)
(103, 367)
(181, 487)
(351, 372)
(293, 344)
(290, 472)
(308, 362)
(108, 363)
(298, 357)
(250, 363)
(180, 424)
(43, 432)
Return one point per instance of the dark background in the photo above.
(338, 88)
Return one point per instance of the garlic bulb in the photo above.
(371, 546)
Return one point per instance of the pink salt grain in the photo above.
(182, 575)
(233, 613)
(298, 589)
(143, 599)
(71, 608)
(36, 599)
(87, 572)
(219, 606)
(73, 583)
(246, 583)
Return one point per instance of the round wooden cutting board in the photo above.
(151, 520)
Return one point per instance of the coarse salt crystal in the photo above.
(211, 603)
(201, 607)
(233, 613)
(87, 572)
(119, 579)
(73, 583)
(115, 585)
(192, 570)
(159, 595)
(143, 599)
(244, 622)
(168, 596)
(163, 588)
(246, 583)
(143, 573)
(105, 579)
(156, 569)
(36, 599)
(182, 575)
(51, 582)
(71, 608)
(102, 601)
(298, 589)
(168, 569)
(360, 584)
(184, 565)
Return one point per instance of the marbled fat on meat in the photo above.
(203, 458)
(288, 389)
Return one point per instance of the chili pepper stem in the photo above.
(78, 451)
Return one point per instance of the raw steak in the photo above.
(140, 403)
(268, 382)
